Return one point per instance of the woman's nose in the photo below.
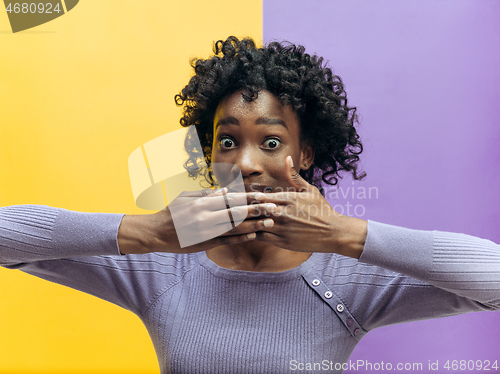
(248, 162)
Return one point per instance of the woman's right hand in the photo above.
(199, 220)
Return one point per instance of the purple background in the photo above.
(425, 77)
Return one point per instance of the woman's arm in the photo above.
(30, 233)
(80, 251)
(465, 265)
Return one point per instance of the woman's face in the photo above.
(257, 137)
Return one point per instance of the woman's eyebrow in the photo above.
(259, 121)
(270, 121)
(227, 121)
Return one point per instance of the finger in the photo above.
(267, 236)
(204, 193)
(294, 178)
(215, 201)
(220, 200)
(235, 239)
(212, 203)
(218, 192)
(250, 226)
(237, 205)
(239, 214)
(224, 240)
(244, 198)
(278, 198)
(282, 199)
(240, 199)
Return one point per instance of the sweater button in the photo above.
(340, 308)
(316, 282)
(328, 294)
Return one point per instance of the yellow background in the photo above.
(77, 96)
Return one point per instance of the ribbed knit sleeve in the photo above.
(31, 233)
(80, 250)
(459, 263)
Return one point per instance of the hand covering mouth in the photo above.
(249, 187)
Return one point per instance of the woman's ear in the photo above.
(306, 155)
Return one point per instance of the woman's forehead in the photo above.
(265, 106)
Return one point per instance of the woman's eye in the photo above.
(272, 143)
(227, 143)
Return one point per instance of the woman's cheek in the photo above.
(276, 170)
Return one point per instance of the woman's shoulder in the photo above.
(166, 264)
(332, 265)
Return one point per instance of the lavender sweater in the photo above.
(206, 319)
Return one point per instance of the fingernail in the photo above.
(291, 161)
(260, 196)
(268, 223)
(220, 191)
(270, 207)
(251, 235)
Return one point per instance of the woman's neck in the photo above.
(256, 256)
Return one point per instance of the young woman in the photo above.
(295, 283)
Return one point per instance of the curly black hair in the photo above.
(295, 78)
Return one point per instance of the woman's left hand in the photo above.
(304, 221)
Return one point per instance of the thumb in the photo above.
(294, 178)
